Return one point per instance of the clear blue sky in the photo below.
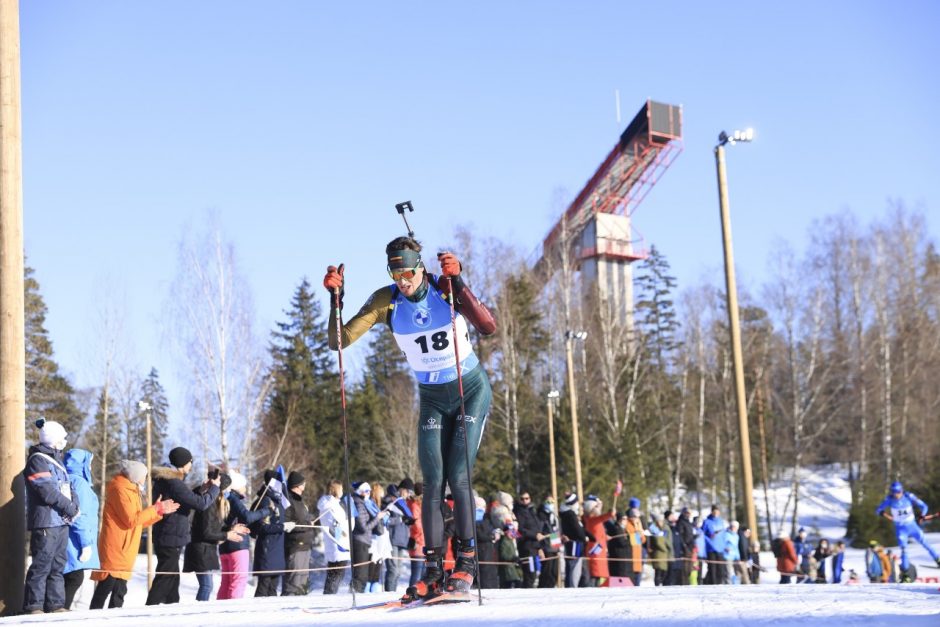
(302, 123)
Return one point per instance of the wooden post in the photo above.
(551, 454)
(148, 411)
(12, 323)
(573, 400)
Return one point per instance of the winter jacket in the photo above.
(397, 524)
(269, 533)
(509, 570)
(49, 498)
(174, 529)
(661, 547)
(238, 512)
(333, 518)
(686, 531)
(529, 528)
(712, 528)
(787, 560)
(597, 549)
(573, 529)
(803, 550)
(123, 521)
(488, 554)
(300, 539)
(366, 523)
(837, 567)
(744, 547)
(731, 551)
(208, 532)
(549, 523)
(84, 529)
(618, 549)
(416, 531)
(636, 537)
(678, 553)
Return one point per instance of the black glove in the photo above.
(408, 520)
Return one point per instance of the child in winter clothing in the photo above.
(83, 532)
(51, 506)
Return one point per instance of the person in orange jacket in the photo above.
(594, 519)
(786, 557)
(122, 525)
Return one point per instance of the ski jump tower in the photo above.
(595, 233)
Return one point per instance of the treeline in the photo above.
(841, 347)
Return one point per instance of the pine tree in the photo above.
(152, 393)
(301, 428)
(48, 393)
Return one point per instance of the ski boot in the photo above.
(432, 584)
(906, 576)
(461, 579)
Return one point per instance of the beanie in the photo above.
(51, 433)
(225, 481)
(239, 482)
(571, 499)
(362, 488)
(392, 490)
(268, 475)
(634, 502)
(180, 456)
(407, 484)
(294, 479)
(135, 471)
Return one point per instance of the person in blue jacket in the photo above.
(713, 528)
(838, 559)
(803, 550)
(898, 507)
(82, 550)
(51, 506)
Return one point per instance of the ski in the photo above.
(381, 605)
(441, 599)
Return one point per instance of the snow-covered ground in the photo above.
(823, 511)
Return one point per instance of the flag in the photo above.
(619, 488)
(275, 487)
(400, 507)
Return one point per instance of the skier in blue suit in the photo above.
(898, 507)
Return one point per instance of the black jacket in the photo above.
(687, 533)
(529, 527)
(173, 530)
(202, 552)
(488, 554)
(618, 549)
(573, 529)
(269, 534)
(300, 539)
(549, 526)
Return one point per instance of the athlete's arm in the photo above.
(882, 509)
(372, 312)
(916, 502)
(469, 305)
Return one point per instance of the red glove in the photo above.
(334, 278)
(450, 266)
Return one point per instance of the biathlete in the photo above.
(417, 311)
(898, 507)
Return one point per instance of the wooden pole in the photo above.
(551, 454)
(573, 400)
(735, 328)
(12, 323)
(149, 412)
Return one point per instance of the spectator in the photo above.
(687, 534)
(551, 543)
(488, 537)
(575, 539)
(530, 540)
(618, 546)
(510, 574)
(677, 559)
(83, 532)
(122, 523)
(754, 559)
(594, 519)
(803, 551)
(366, 519)
(208, 532)
(416, 530)
(333, 518)
(270, 558)
(838, 558)
(234, 555)
(820, 554)
(399, 521)
(733, 553)
(381, 548)
(299, 542)
(744, 551)
(712, 528)
(172, 532)
(786, 558)
(701, 552)
(51, 506)
(660, 549)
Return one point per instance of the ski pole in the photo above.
(466, 438)
(342, 395)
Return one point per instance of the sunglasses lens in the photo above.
(403, 274)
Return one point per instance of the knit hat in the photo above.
(294, 479)
(51, 433)
(180, 456)
(225, 480)
(571, 499)
(135, 471)
(634, 502)
(268, 475)
(391, 490)
(406, 484)
(239, 482)
(362, 488)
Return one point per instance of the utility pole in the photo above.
(12, 322)
(551, 454)
(734, 323)
(573, 399)
(147, 408)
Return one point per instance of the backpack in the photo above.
(776, 546)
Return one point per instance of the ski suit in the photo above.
(421, 325)
(905, 522)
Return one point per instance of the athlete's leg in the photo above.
(431, 457)
(917, 533)
(903, 533)
(477, 399)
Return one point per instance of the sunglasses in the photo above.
(403, 274)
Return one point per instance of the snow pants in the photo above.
(235, 571)
(911, 531)
(442, 453)
(45, 585)
(111, 586)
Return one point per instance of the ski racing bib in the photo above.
(902, 512)
(424, 333)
